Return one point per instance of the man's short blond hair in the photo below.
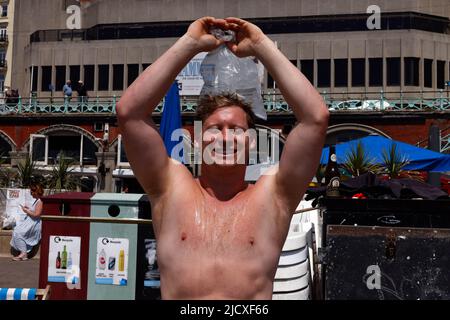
(208, 104)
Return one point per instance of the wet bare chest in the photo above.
(220, 226)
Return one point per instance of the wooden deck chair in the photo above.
(25, 293)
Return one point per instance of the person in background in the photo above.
(67, 91)
(82, 92)
(27, 233)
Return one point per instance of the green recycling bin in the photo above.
(113, 247)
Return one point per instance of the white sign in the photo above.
(190, 80)
(112, 261)
(151, 277)
(15, 198)
(64, 259)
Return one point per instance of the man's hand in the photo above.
(199, 31)
(248, 36)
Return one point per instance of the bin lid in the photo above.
(73, 197)
(380, 205)
(117, 198)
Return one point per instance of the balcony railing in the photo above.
(273, 103)
(3, 39)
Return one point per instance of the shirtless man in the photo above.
(219, 237)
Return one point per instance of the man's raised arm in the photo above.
(303, 147)
(143, 144)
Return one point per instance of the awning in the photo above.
(419, 158)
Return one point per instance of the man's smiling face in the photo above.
(225, 141)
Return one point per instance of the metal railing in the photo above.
(274, 103)
(45, 105)
(445, 141)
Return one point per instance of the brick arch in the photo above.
(64, 127)
(8, 139)
(356, 127)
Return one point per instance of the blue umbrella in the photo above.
(419, 158)
(171, 120)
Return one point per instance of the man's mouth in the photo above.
(224, 153)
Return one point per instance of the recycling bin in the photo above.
(147, 271)
(113, 247)
(386, 249)
(65, 245)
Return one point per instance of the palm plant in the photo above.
(61, 176)
(357, 161)
(393, 162)
(27, 173)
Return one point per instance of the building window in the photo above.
(145, 66)
(307, 67)
(4, 10)
(89, 77)
(393, 71)
(118, 77)
(34, 78)
(103, 77)
(2, 34)
(60, 78)
(122, 159)
(294, 62)
(74, 75)
(2, 88)
(428, 73)
(441, 74)
(358, 72)
(340, 73)
(133, 73)
(324, 73)
(375, 72)
(412, 72)
(5, 148)
(46, 149)
(46, 80)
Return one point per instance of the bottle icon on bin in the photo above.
(122, 260)
(102, 260)
(111, 263)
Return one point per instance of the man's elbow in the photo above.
(121, 111)
(322, 116)
(124, 112)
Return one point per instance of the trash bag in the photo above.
(224, 73)
(8, 222)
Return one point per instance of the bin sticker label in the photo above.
(64, 259)
(151, 277)
(112, 261)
